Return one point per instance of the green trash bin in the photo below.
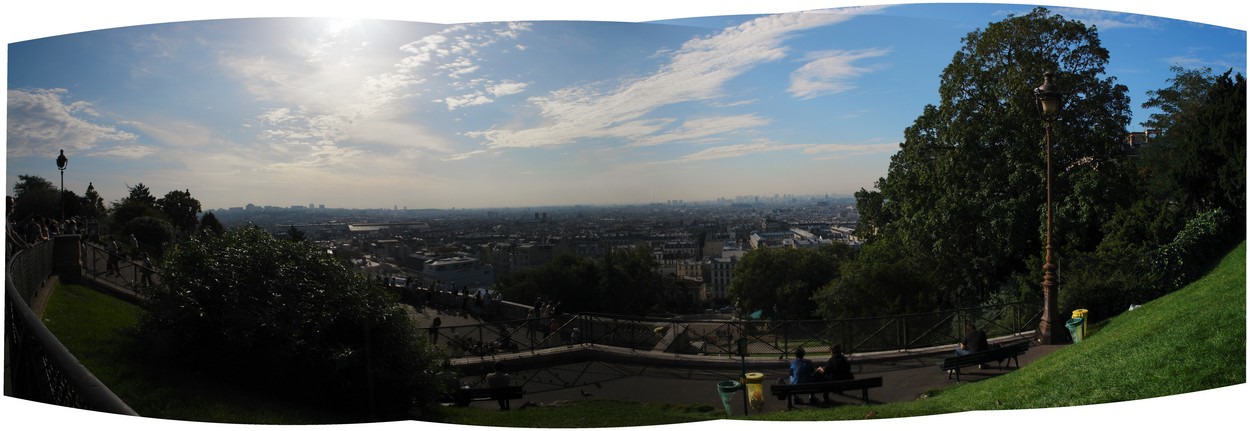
(726, 389)
(1077, 328)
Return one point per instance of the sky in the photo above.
(428, 108)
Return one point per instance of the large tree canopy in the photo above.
(287, 316)
(180, 208)
(782, 281)
(1199, 152)
(965, 195)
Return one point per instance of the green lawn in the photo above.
(1191, 340)
(99, 330)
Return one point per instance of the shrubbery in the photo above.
(1109, 281)
(285, 316)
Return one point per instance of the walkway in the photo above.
(661, 377)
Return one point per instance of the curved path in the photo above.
(567, 373)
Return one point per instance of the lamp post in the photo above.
(61, 161)
(1051, 100)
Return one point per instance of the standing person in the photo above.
(499, 379)
(530, 324)
(147, 270)
(134, 245)
(434, 329)
(801, 371)
(112, 256)
(836, 368)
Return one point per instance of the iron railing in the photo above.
(778, 338)
(42, 369)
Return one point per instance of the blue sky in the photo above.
(539, 107)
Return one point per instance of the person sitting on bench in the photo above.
(974, 341)
(802, 371)
(499, 379)
(836, 368)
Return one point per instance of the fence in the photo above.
(42, 369)
(722, 337)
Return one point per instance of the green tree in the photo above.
(964, 197)
(152, 232)
(180, 208)
(140, 193)
(1199, 153)
(138, 203)
(94, 207)
(250, 308)
(210, 224)
(784, 281)
(294, 234)
(35, 196)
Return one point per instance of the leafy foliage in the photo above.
(964, 199)
(251, 308)
(210, 224)
(34, 196)
(1199, 155)
(150, 231)
(94, 204)
(620, 282)
(180, 208)
(782, 281)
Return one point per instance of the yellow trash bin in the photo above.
(755, 390)
(1082, 314)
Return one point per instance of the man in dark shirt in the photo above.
(974, 341)
(836, 368)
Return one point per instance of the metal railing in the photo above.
(776, 338)
(42, 369)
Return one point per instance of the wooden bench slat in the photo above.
(998, 354)
(785, 391)
(463, 396)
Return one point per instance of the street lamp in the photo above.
(1051, 100)
(61, 161)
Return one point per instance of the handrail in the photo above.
(43, 370)
(776, 338)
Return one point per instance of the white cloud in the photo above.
(824, 151)
(40, 122)
(126, 152)
(463, 156)
(838, 151)
(830, 72)
(457, 102)
(1106, 20)
(703, 128)
(332, 105)
(506, 88)
(731, 151)
(696, 72)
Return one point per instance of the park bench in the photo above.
(996, 354)
(463, 396)
(784, 391)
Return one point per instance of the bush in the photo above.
(1109, 281)
(150, 231)
(276, 314)
(1204, 239)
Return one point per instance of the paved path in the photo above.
(906, 375)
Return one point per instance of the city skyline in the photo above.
(359, 113)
